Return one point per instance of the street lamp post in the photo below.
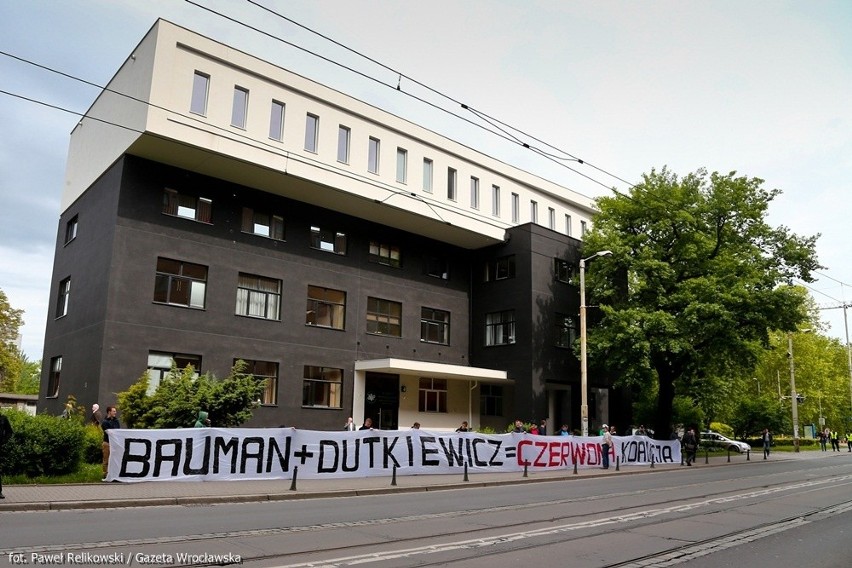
(794, 396)
(584, 387)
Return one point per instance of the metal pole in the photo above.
(848, 357)
(584, 380)
(793, 400)
(584, 395)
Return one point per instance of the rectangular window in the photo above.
(64, 297)
(533, 211)
(500, 268)
(491, 400)
(322, 387)
(568, 225)
(495, 201)
(387, 254)
(437, 267)
(311, 132)
(161, 364)
(343, 136)
(258, 297)
(53, 377)
(276, 121)
(373, 156)
(427, 175)
(500, 328)
(180, 283)
(240, 107)
(329, 241)
(401, 165)
(326, 308)
(434, 326)
(266, 371)
(262, 224)
(384, 317)
(516, 207)
(563, 270)
(71, 230)
(474, 192)
(187, 206)
(433, 395)
(566, 330)
(583, 229)
(451, 184)
(551, 218)
(200, 87)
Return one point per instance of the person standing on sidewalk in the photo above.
(6, 434)
(605, 446)
(690, 445)
(767, 442)
(110, 422)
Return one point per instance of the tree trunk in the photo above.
(663, 423)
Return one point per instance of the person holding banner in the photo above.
(690, 445)
(605, 446)
(350, 425)
(368, 424)
(110, 422)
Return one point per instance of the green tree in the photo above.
(704, 275)
(10, 322)
(752, 415)
(182, 394)
(28, 377)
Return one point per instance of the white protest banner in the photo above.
(215, 454)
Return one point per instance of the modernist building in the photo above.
(218, 207)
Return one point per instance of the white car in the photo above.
(716, 440)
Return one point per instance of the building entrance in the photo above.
(381, 400)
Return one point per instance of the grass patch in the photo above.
(88, 473)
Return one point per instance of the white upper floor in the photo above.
(186, 100)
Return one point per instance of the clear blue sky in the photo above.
(758, 87)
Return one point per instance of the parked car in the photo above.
(716, 440)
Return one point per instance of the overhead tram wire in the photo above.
(500, 133)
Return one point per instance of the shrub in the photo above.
(92, 449)
(722, 429)
(42, 445)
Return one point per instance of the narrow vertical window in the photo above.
(516, 207)
(311, 132)
(276, 121)
(427, 175)
(200, 86)
(240, 107)
(373, 156)
(401, 165)
(343, 134)
(495, 200)
(568, 225)
(451, 184)
(583, 229)
(533, 212)
(53, 377)
(71, 230)
(64, 297)
(474, 192)
(551, 218)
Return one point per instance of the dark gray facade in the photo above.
(113, 321)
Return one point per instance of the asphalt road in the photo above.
(795, 512)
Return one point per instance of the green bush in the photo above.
(722, 429)
(42, 445)
(92, 449)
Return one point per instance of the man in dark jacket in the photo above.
(690, 445)
(6, 433)
(110, 422)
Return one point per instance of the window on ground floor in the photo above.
(433, 395)
(322, 387)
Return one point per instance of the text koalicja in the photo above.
(214, 454)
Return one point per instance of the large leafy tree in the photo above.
(696, 282)
(10, 321)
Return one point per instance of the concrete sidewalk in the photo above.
(158, 493)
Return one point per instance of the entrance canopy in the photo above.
(433, 370)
